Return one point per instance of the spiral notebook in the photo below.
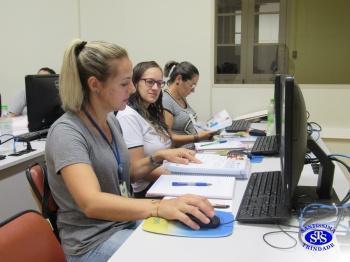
(219, 187)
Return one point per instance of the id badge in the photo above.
(124, 189)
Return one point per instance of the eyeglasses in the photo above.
(150, 82)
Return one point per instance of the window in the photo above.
(249, 40)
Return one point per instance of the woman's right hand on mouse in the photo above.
(176, 209)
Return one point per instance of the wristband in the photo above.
(195, 138)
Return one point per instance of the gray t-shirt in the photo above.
(69, 142)
(182, 122)
(18, 105)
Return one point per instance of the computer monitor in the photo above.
(294, 141)
(277, 99)
(293, 134)
(43, 101)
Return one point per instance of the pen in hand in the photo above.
(190, 184)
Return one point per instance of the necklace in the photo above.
(181, 99)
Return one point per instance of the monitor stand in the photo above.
(24, 151)
(323, 192)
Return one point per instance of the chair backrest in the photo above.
(28, 237)
(37, 178)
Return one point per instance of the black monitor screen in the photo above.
(293, 134)
(43, 101)
(277, 99)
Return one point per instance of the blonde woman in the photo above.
(88, 162)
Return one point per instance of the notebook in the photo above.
(237, 165)
(219, 188)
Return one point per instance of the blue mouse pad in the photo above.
(175, 228)
(256, 159)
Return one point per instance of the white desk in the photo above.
(15, 194)
(246, 242)
(11, 163)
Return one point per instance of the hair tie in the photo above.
(171, 71)
(80, 47)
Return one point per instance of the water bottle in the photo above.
(271, 130)
(5, 132)
(4, 110)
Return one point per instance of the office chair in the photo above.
(28, 237)
(37, 178)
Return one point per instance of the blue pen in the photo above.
(215, 142)
(190, 184)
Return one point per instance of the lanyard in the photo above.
(114, 149)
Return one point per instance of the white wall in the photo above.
(33, 35)
(159, 30)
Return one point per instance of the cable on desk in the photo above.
(339, 155)
(286, 232)
(345, 199)
(229, 222)
(11, 137)
(313, 127)
(341, 162)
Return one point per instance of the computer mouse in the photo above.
(214, 221)
(257, 132)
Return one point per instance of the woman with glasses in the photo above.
(179, 115)
(143, 124)
(88, 162)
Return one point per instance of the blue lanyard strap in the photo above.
(114, 149)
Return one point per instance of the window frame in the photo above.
(246, 74)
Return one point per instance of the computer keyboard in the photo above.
(263, 199)
(27, 137)
(237, 126)
(265, 145)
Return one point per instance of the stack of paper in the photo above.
(215, 187)
(237, 165)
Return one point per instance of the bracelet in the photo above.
(156, 202)
(158, 207)
(195, 138)
(154, 162)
